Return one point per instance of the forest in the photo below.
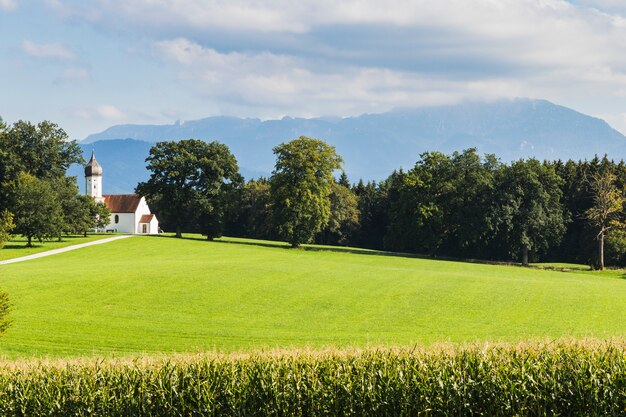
(463, 205)
(469, 206)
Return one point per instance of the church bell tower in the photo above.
(93, 179)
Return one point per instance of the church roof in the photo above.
(146, 218)
(122, 203)
(93, 167)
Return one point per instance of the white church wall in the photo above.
(126, 223)
(142, 208)
(154, 226)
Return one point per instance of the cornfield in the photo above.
(584, 378)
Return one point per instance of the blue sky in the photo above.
(87, 65)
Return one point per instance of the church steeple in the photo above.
(93, 178)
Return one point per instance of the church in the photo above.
(129, 212)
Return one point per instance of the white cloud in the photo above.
(277, 84)
(55, 51)
(272, 57)
(8, 5)
(108, 111)
(521, 33)
(103, 112)
(502, 16)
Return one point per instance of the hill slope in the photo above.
(158, 294)
(373, 145)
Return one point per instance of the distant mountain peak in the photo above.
(373, 145)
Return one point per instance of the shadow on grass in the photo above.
(24, 246)
(279, 245)
(22, 243)
(339, 249)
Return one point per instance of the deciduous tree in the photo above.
(442, 204)
(529, 212)
(99, 214)
(38, 212)
(42, 150)
(190, 183)
(608, 208)
(301, 186)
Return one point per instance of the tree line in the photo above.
(37, 199)
(461, 205)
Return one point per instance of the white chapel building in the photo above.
(129, 212)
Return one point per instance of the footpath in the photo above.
(61, 250)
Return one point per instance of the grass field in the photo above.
(16, 247)
(159, 294)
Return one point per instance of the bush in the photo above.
(580, 378)
(6, 227)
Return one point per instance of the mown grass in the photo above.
(573, 379)
(16, 247)
(159, 294)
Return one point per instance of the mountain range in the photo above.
(372, 145)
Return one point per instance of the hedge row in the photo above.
(563, 378)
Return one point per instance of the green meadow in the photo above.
(160, 294)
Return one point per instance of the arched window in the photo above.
(117, 219)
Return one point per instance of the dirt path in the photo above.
(61, 250)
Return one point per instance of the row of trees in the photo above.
(459, 205)
(37, 199)
(196, 186)
(462, 205)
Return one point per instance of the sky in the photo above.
(88, 65)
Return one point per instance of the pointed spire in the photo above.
(93, 168)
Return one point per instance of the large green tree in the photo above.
(442, 204)
(38, 212)
(85, 214)
(191, 184)
(301, 186)
(42, 150)
(529, 212)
